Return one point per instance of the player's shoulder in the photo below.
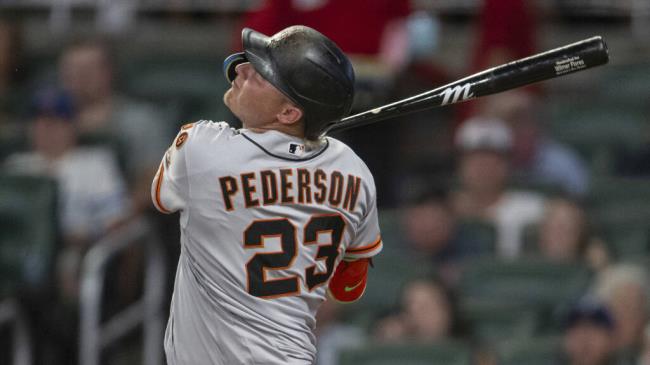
(207, 126)
(347, 154)
(203, 131)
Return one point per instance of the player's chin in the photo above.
(228, 98)
(231, 101)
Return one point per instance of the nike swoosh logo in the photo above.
(351, 288)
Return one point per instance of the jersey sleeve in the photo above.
(367, 242)
(169, 190)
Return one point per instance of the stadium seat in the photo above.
(628, 240)
(627, 82)
(391, 234)
(531, 351)
(386, 280)
(607, 189)
(391, 270)
(184, 88)
(618, 212)
(527, 281)
(27, 232)
(165, 77)
(482, 234)
(493, 322)
(447, 353)
(598, 131)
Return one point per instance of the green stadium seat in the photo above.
(599, 132)
(391, 271)
(494, 322)
(28, 233)
(391, 234)
(590, 122)
(446, 353)
(625, 226)
(535, 282)
(530, 351)
(618, 211)
(626, 82)
(481, 233)
(606, 190)
(628, 241)
(168, 77)
(184, 89)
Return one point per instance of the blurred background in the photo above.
(516, 227)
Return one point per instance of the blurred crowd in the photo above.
(500, 241)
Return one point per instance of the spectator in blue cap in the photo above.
(589, 334)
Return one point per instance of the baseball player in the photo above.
(274, 215)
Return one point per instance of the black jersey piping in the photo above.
(287, 158)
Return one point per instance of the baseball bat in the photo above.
(554, 63)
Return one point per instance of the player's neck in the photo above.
(286, 129)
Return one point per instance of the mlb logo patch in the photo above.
(296, 149)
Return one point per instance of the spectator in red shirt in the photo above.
(337, 19)
(506, 32)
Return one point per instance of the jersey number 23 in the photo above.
(285, 230)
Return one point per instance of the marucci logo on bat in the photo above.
(457, 93)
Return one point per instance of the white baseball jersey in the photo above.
(264, 222)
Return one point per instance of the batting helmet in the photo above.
(305, 66)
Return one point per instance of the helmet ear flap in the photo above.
(230, 63)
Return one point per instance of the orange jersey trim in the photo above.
(157, 202)
(365, 249)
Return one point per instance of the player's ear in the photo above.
(289, 114)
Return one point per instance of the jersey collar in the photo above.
(284, 146)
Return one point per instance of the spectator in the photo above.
(87, 71)
(623, 288)
(536, 156)
(564, 235)
(333, 335)
(588, 335)
(431, 231)
(337, 19)
(427, 313)
(92, 196)
(485, 147)
(506, 31)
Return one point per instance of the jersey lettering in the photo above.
(304, 190)
(351, 192)
(228, 189)
(269, 187)
(248, 190)
(319, 182)
(290, 186)
(285, 186)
